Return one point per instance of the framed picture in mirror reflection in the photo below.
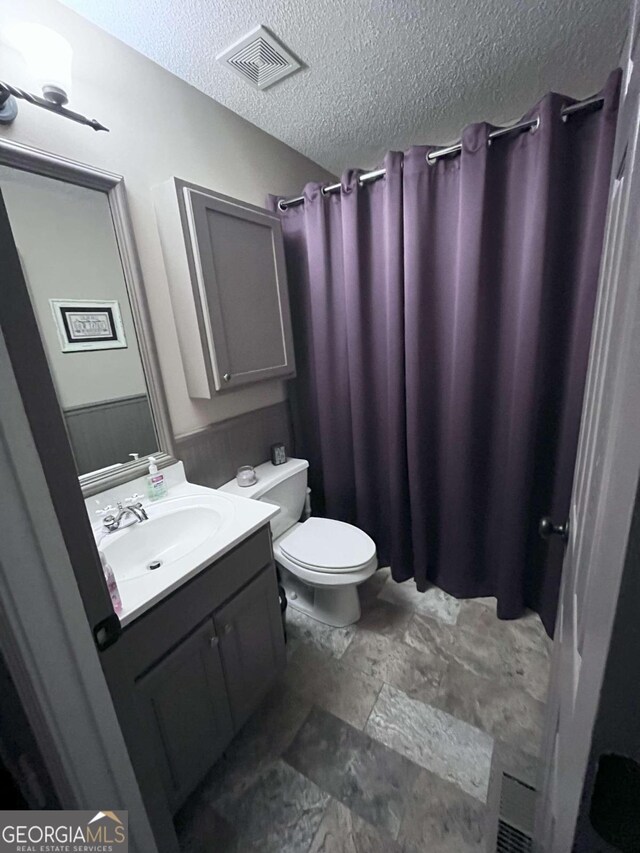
(88, 324)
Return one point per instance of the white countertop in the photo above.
(242, 517)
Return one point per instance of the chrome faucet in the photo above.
(132, 507)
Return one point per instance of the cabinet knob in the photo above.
(227, 377)
(213, 642)
(227, 629)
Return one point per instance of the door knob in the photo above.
(547, 529)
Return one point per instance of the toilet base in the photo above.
(337, 606)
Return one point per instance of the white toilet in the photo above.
(321, 561)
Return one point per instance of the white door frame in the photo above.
(610, 443)
(46, 639)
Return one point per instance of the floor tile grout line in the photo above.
(411, 760)
(341, 655)
(467, 629)
(324, 813)
(353, 665)
(375, 701)
(418, 768)
(331, 795)
(334, 713)
(401, 821)
(406, 804)
(432, 708)
(447, 660)
(379, 830)
(469, 632)
(348, 665)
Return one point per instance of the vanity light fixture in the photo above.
(48, 57)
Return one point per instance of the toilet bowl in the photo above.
(321, 561)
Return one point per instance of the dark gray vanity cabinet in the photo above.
(250, 632)
(228, 283)
(192, 669)
(184, 702)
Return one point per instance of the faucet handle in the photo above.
(106, 510)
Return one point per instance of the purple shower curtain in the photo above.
(442, 319)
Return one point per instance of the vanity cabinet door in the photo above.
(251, 643)
(184, 704)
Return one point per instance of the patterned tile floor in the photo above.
(380, 737)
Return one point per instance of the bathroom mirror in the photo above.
(71, 228)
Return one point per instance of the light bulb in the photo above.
(47, 55)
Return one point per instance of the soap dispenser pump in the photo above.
(156, 481)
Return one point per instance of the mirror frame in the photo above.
(28, 159)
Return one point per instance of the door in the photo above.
(241, 288)
(251, 643)
(602, 502)
(45, 536)
(183, 700)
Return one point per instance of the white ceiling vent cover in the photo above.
(259, 58)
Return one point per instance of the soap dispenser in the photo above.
(156, 481)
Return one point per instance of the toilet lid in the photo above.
(330, 545)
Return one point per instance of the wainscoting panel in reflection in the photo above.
(105, 433)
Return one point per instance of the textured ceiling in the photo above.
(381, 74)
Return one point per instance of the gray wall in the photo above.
(159, 127)
(212, 456)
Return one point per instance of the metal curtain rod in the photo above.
(532, 125)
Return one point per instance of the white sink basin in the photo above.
(185, 533)
(175, 528)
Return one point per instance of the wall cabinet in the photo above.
(227, 278)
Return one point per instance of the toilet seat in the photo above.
(320, 561)
(326, 545)
(327, 592)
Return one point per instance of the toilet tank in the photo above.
(283, 485)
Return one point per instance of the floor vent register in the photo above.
(515, 822)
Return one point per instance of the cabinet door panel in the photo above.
(251, 643)
(239, 261)
(183, 700)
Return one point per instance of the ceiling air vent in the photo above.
(259, 58)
